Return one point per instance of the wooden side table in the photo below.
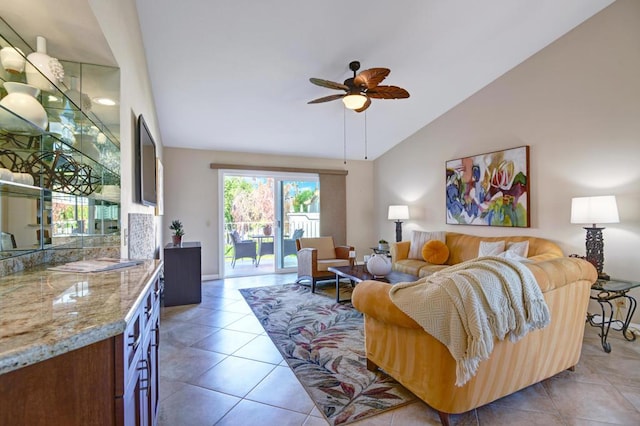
(603, 293)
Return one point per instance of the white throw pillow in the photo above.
(511, 255)
(419, 239)
(521, 248)
(490, 248)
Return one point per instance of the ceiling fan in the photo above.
(360, 88)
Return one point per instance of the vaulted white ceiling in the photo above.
(234, 75)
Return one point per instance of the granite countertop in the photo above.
(45, 313)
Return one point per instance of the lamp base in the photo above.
(595, 248)
(398, 231)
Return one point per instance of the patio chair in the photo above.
(316, 255)
(264, 247)
(289, 246)
(242, 248)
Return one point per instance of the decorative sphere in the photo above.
(379, 265)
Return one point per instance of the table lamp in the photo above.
(602, 209)
(398, 213)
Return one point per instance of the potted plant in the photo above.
(383, 245)
(178, 232)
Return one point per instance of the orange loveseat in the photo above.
(395, 343)
(463, 247)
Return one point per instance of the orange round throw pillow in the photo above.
(435, 252)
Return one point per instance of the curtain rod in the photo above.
(278, 169)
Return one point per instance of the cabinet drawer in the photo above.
(129, 349)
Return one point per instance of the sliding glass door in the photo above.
(298, 215)
(263, 214)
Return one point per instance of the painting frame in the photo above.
(490, 189)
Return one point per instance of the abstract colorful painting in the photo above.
(489, 189)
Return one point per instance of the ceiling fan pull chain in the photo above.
(365, 135)
(344, 133)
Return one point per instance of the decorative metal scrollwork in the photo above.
(61, 172)
(10, 160)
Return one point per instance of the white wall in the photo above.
(577, 105)
(191, 195)
(119, 22)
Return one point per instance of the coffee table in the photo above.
(359, 273)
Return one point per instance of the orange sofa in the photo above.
(397, 344)
(463, 247)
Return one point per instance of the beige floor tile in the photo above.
(261, 349)
(240, 306)
(184, 333)
(532, 398)
(216, 318)
(632, 394)
(194, 406)
(282, 389)
(234, 376)
(181, 313)
(315, 421)
(225, 341)
(602, 403)
(188, 362)
(254, 413)
(249, 324)
(168, 387)
(502, 416)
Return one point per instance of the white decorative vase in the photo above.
(85, 144)
(12, 59)
(21, 100)
(43, 70)
(81, 100)
(379, 265)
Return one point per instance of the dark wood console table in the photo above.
(182, 274)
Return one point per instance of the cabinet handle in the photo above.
(145, 367)
(136, 341)
(156, 332)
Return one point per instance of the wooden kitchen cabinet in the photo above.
(111, 382)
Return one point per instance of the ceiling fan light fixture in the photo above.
(354, 101)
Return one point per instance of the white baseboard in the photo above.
(210, 277)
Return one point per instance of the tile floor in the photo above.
(218, 367)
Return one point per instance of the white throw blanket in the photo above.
(466, 305)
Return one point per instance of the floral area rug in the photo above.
(323, 343)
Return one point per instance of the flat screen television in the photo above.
(146, 178)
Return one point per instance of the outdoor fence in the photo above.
(308, 222)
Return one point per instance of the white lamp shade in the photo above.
(602, 209)
(398, 212)
(354, 101)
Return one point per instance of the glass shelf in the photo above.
(75, 161)
(19, 189)
(12, 123)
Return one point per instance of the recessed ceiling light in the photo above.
(105, 101)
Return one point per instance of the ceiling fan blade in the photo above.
(327, 99)
(365, 106)
(388, 92)
(371, 78)
(328, 84)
